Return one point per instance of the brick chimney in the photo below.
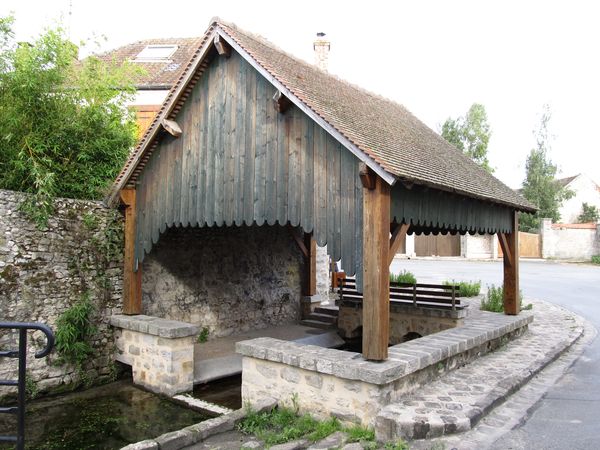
(321, 47)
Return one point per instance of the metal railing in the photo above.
(21, 353)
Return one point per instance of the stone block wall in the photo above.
(44, 272)
(571, 241)
(229, 280)
(160, 352)
(404, 320)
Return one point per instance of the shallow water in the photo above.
(103, 418)
(224, 392)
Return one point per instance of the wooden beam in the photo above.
(299, 241)
(398, 236)
(510, 250)
(171, 127)
(505, 247)
(223, 48)
(281, 102)
(367, 176)
(376, 270)
(132, 280)
(311, 265)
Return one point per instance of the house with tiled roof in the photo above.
(585, 190)
(162, 61)
(254, 159)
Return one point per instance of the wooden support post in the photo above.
(222, 47)
(281, 102)
(311, 264)
(132, 280)
(510, 250)
(376, 268)
(398, 236)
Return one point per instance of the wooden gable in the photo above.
(239, 162)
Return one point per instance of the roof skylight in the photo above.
(156, 53)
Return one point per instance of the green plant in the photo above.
(31, 387)
(203, 336)
(589, 213)
(403, 277)
(596, 259)
(494, 300)
(466, 288)
(285, 424)
(397, 445)
(73, 332)
(65, 127)
(357, 433)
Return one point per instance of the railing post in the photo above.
(415, 295)
(21, 393)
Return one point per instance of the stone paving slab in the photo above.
(458, 400)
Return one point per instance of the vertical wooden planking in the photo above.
(321, 183)
(271, 159)
(261, 148)
(220, 95)
(195, 145)
(168, 213)
(229, 131)
(185, 165)
(240, 155)
(308, 177)
(210, 148)
(249, 160)
(346, 208)
(294, 139)
(202, 150)
(282, 167)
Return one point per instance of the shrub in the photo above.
(403, 277)
(494, 300)
(466, 288)
(596, 259)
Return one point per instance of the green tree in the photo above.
(64, 127)
(470, 134)
(540, 186)
(589, 213)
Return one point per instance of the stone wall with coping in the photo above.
(44, 272)
(228, 280)
(160, 352)
(569, 243)
(404, 319)
(328, 382)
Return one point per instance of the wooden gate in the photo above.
(439, 245)
(529, 246)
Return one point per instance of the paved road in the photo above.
(568, 417)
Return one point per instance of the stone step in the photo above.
(326, 318)
(456, 401)
(317, 324)
(329, 310)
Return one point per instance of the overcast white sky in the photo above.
(434, 57)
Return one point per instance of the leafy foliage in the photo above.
(73, 332)
(596, 259)
(589, 213)
(64, 127)
(403, 277)
(494, 300)
(540, 186)
(466, 288)
(470, 134)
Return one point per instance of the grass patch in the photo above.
(596, 259)
(285, 424)
(466, 288)
(397, 445)
(403, 277)
(494, 300)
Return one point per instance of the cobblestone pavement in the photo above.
(553, 331)
(486, 398)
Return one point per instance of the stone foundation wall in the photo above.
(44, 272)
(228, 280)
(404, 319)
(160, 352)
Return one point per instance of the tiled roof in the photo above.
(383, 130)
(158, 74)
(564, 182)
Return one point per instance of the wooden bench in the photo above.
(419, 295)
